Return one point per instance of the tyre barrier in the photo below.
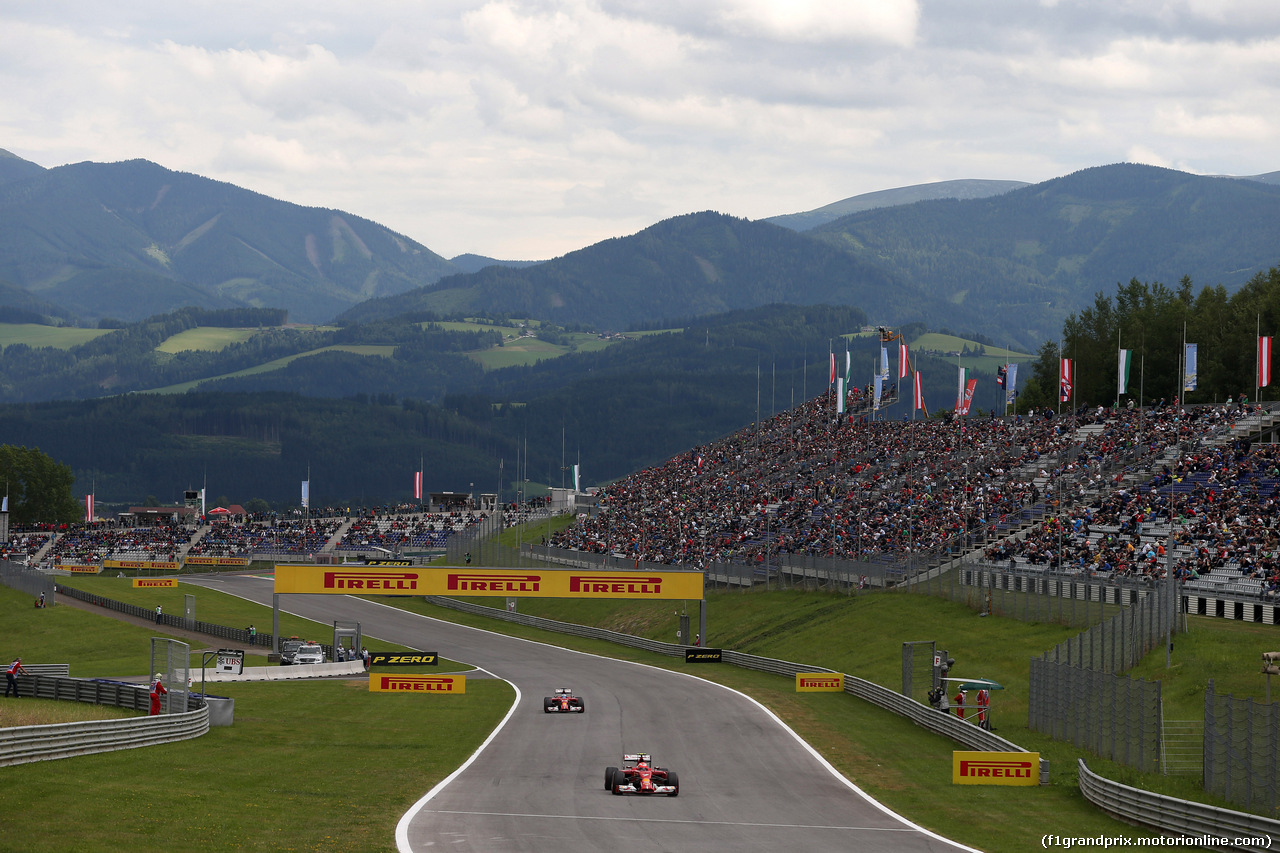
(24, 744)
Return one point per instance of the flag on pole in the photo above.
(832, 380)
(306, 494)
(417, 485)
(964, 375)
(839, 395)
(1264, 362)
(1189, 369)
(1001, 372)
(969, 388)
(1122, 378)
(1065, 379)
(1011, 383)
(884, 361)
(904, 369)
(919, 391)
(848, 371)
(879, 388)
(4, 507)
(576, 487)
(202, 503)
(88, 508)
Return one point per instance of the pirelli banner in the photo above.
(383, 683)
(819, 682)
(167, 565)
(995, 768)
(155, 583)
(241, 562)
(503, 583)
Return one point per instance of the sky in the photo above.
(526, 130)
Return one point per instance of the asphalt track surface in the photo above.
(746, 781)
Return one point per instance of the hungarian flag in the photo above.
(903, 365)
(919, 391)
(88, 508)
(1264, 362)
(417, 485)
(1122, 377)
(1065, 378)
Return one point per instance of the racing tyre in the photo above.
(674, 781)
(546, 705)
(608, 777)
(582, 706)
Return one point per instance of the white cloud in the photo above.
(529, 128)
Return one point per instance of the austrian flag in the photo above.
(1065, 378)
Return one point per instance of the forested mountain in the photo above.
(687, 266)
(1017, 264)
(888, 198)
(132, 239)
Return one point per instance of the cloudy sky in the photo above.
(526, 129)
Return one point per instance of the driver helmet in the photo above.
(642, 765)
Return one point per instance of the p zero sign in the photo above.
(500, 583)
(404, 659)
(995, 768)
(382, 683)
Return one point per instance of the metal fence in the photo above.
(30, 581)
(1242, 750)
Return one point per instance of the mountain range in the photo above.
(121, 241)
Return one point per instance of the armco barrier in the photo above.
(281, 673)
(23, 744)
(1241, 831)
(1156, 811)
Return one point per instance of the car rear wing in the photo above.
(564, 691)
(638, 756)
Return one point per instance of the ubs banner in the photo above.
(504, 583)
(995, 768)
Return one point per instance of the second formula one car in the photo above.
(564, 702)
(637, 775)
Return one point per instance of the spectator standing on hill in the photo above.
(11, 678)
(158, 613)
(959, 704)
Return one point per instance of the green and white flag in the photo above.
(1126, 363)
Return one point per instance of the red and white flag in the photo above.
(88, 508)
(919, 392)
(417, 485)
(1065, 378)
(832, 380)
(904, 369)
(1264, 362)
(969, 388)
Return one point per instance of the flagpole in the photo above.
(1257, 347)
(1182, 368)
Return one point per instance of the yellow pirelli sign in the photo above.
(505, 583)
(140, 564)
(79, 569)
(155, 583)
(380, 683)
(995, 768)
(819, 682)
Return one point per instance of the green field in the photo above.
(37, 336)
(211, 339)
(938, 344)
(384, 350)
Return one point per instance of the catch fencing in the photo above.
(1076, 695)
(1242, 750)
(30, 581)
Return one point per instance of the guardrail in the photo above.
(1220, 829)
(24, 744)
(1145, 808)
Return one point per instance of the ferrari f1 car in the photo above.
(637, 775)
(564, 702)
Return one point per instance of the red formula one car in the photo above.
(564, 702)
(637, 775)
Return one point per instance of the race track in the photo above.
(746, 782)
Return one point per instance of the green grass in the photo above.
(208, 338)
(900, 764)
(384, 350)
(37, 336)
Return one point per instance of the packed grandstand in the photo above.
(1096, 492)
